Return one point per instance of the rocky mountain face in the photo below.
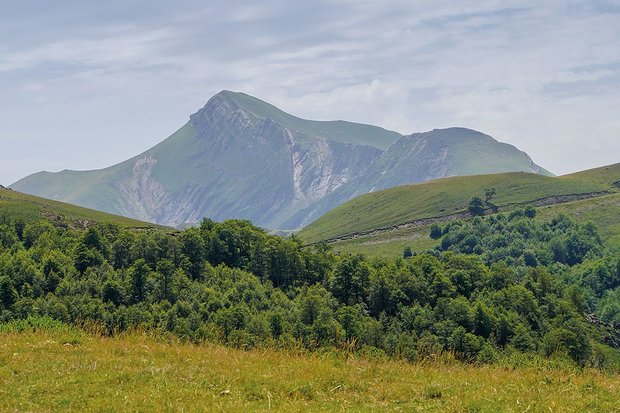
(239, 157)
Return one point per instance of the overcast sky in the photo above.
(86, 84)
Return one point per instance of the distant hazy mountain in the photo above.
(239, 157)
(445, 152)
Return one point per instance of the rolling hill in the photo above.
(381, 223)
(16, 205)
(240, 157)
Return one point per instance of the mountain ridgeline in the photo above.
(240, 157)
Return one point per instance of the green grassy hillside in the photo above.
(63, 369)
(603, 211)
(446, 197)
(16, 205)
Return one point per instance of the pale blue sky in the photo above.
(85, 84)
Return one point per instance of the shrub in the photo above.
(476, 206)
(436, 231)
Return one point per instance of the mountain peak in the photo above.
(247, 103)
(457, 132)
(226, 102)
(241, 157)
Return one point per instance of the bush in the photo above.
(407, 253)
(571, 341)
(529, 211)
(436, 231)
(476, 206)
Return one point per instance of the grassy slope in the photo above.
(389, 244)
(603, 211)
(28, 207)
(64, 370)
(445, 196)
(74, 186)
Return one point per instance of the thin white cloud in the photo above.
(122, 46)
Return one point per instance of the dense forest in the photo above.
(494, 285)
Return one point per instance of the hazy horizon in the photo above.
(88, 86)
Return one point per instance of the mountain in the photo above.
(382, 222)
(240, 157)
(445, 152)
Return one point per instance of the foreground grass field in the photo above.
(65, 370)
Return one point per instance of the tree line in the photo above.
(493, 285)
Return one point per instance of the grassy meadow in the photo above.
(64, 369)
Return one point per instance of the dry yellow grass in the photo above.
(60, 371)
